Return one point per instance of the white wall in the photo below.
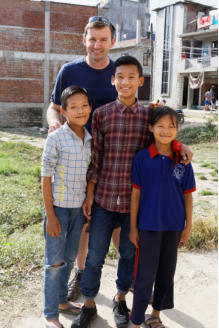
(175, 83)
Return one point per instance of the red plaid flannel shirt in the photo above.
(119, 132)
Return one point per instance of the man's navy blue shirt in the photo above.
(162, 190)
(97, 82)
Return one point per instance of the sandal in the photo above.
(154, 322)
(76, 308)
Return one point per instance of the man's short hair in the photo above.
(99, 22)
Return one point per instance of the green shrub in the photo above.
(200, 134)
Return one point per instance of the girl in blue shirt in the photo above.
(161, 216)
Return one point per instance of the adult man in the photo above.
(94, 74)
(209, 98)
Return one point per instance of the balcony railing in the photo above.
(205, 63)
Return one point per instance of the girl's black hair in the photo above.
(159, 112)
(70, 91)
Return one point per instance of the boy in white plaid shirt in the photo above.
(64, 166)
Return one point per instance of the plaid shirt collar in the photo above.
(123, 107)
(87, 135)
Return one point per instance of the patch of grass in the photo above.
(20, 193)
(21, 250)
(215, 179)
(204, 236)
(205, 165)
(202, 177)
(213, 173)
(195, 135)
(112, 254)
(206, 193)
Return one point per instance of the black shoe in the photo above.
(121, 314)
(74, 287)
(85, 317)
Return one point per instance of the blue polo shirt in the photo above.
(162, 190)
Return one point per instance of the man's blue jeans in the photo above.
(62, 250)
(101, 228)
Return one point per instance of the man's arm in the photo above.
(53, 226)
(53, 117)
(188, 207)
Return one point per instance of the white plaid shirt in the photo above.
(66, 159)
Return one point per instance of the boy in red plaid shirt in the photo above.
(120, 130)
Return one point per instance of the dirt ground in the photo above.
(195, 298)
(195, 280)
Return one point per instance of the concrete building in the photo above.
(186, 47)
(124, 14)
(36, 39)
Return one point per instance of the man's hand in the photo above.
(186, 155)
(53, 226)
(54, 126)
(53, 117)
(184, 237)
(134, 237)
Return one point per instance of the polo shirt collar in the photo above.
(154, 152)
(123, 107)
(87, 135)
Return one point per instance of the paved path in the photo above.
(195, 297)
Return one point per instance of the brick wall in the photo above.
(22, 58)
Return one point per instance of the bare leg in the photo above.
(116, 237)
(74, 287)
(155, 313)
(82, 249)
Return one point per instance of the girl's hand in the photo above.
(186, 155)
(134, 237)
(53, 226)
(184, 237)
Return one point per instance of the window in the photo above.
(186, 44)
(214, 48)
(197, 50)
(145, 59)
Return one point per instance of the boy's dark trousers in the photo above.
(156, 264)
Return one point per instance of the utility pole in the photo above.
(152, 61)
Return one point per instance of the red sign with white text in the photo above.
(205, 21)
